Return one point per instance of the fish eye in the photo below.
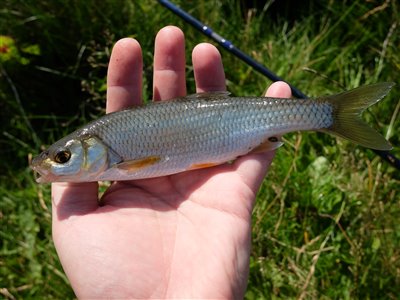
(62, 156)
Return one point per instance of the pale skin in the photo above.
(181, 236)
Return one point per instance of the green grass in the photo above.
(326, 220)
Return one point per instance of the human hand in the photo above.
(180, 236)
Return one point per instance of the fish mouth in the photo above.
(43, 178)
(38, 177)
(41, 168)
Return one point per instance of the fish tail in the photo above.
(347, 110)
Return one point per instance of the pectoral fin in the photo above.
(271, 143)
(137, 164)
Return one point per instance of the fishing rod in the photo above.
(226, 44)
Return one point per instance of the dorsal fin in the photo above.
(209, 95)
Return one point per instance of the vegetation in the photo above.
(326, 220)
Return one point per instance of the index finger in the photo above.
(124, 77)
(124, 89)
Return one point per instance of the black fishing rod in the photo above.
(386, 155)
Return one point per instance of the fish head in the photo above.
(72, 159)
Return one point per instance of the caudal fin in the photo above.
(347, 110)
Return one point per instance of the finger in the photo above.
(253, 167)
(169, 64)
(124, 77)
(124, 89)
(208, 69)
(279, 89)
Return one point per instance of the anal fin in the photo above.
(269, 144)
(202, 166)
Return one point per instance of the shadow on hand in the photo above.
(160, 194)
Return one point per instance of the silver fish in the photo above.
(201, 130)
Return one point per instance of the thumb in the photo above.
(70, 199)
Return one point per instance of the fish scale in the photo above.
(201, 130)
(206, 131)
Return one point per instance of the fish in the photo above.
(201, 130)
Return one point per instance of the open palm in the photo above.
(180, 236)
